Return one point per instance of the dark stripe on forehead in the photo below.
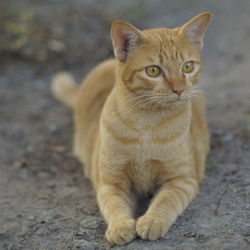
(181, 56)
(149, 58)
(160, 54)
(165, 54)
(176, 53)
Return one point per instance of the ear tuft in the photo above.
(194, 30)
(125, 38)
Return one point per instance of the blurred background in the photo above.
(45, 202)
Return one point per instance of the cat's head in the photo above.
(159, 66)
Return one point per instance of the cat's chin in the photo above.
(167, 105)
(174, 103)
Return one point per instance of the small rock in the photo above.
(89, 223)
(83, 244)
(56, 46)
(31, 217)
(227, 138)
(20, 164)
(42, 232)
(218, 133)
(190, 234)
(80, 235)
(53, 129)
(46, 216)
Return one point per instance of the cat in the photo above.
(140, 126)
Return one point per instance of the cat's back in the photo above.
(93, 93)
(97, 84)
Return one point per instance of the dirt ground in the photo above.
(45, 202)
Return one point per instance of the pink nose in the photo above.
(178, 92)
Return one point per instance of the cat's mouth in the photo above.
(171, 99)
(164, 101)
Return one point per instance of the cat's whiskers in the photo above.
(153, 102)
(138, 103)
(200, 88)
(195, 94)
(142, 100)
(201, 85)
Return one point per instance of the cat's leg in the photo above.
(166, 206)
(117, 206)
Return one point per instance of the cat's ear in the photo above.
(125, 38)
(194, 30)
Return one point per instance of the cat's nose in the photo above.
(178, 92)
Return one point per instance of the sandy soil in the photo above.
(45, 202)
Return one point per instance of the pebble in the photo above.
(218, 132)
(42, 232)
(89, 223)
(31, 217)
(53, 129)
(83, 244)
(56, 46)
(20, 164)
(227, 138)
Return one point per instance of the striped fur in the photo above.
(136, 137)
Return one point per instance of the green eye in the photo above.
(153, 71)
(188, 67)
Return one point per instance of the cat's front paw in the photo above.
(150, 227)
(121, 232)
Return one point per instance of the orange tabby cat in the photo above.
(140, 126)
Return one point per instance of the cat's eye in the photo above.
(188, 67)
(153, 71)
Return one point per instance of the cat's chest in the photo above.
(145, 136)
(160, 144)
(145, 176)
(153, 162)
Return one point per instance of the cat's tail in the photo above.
(65, 89)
